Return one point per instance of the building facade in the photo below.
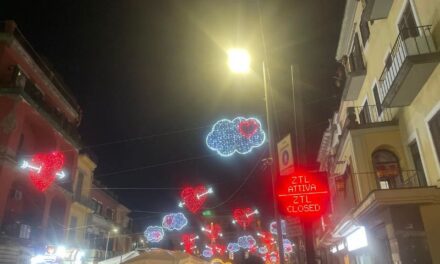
(109, 226)
(382, 147)
(37, 115)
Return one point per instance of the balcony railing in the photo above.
(355, 72)
(412, 43)
(87, 202)
(24, 87)
(401, 179)
(10, 27)
(367, 116)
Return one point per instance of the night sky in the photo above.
(151, 77)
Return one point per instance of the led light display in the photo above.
(239, 135)
(193, 198)
(247, 242)
(233, 247)
(207, 253)
(174, 221)
(263, 250)
(288, 247)
(213, 231)
(188, 242)
(44, 168)
(357, 239)
(154, 234)
(244, 217)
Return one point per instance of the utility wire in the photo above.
(153, 165)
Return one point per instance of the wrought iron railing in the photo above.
(410, 41)
(9, 27)
(400, 179)
(367, 114)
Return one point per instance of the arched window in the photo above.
(387, 168)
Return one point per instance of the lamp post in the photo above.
(239, 62)
(115, 230)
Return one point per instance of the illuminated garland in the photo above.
(174, 221)
(244, 217)
(240, 135)
(154, 234)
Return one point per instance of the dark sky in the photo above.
(141, 68)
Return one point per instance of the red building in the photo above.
(37, 115)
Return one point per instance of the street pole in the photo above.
(106, 245)
(273, 162)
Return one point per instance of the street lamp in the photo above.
(115, 230)
(239, 62)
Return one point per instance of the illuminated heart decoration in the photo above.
(190, 198)
(243, 217)
(248, 128)
(51, 164)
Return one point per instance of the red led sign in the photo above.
(304, 195)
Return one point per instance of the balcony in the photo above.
(85, 201)
(10, 31)
(363, 117)
(412, 60)
(101, 221)
(354, 77)
(377, 9)
(24, 87)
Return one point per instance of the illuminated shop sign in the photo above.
(357, 239)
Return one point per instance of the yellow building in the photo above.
(82, 204)
(382, 147)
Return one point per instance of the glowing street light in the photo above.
(239, 60)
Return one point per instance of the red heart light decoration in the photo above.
(50, 164)
(248, 128)
(190, 198)
(243, 217)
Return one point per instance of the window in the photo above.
(377, 99)
(414, 148)
(434, 127)
(72, 228)
(356, 61)
(364, 114)
(79, 184)
(97, 206)
(387, 168)
(110, 213)
(365, 31)
(407, 24)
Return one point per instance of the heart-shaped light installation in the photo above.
(193, 198)
(248, 127)
(44, 168)
(244, 217)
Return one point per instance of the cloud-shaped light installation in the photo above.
(233, 247)
(207, 253)
(154, 234)
(247, 242)
(273, 227)
(240, 135)
(263, 250)
(174, 221)
(288, 247)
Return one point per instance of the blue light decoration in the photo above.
(240, 135)
(154, 234)
(263, 250)
(273, 227)
(288, 247)
(247, 242)
(174, 221)
(233, 247)
(207, 253)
